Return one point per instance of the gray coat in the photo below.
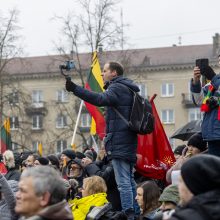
(7, 204)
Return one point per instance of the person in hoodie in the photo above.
(41, 195)
(199, 189)
(120, 142)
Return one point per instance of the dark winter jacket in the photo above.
(120, 141)
(13, 174)
(204, 206)
(210, 124)
(105, 170)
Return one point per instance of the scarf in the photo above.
(205, 107)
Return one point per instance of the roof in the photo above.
(152, 57)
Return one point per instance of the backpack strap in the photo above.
(116, 110)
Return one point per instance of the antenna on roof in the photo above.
(180, 40)
(122, 30)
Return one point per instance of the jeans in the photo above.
(214, 148)
(126, 185)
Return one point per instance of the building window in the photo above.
(194, 114)
(61, 145)
(143, 90)
(167, 90)
(35, 145)
(37, 96)
(167, 116)
(13, 98)
(14, 123)
(172, 143)
(37, 122)
(61, 121)
(62, 96)
(85, 120)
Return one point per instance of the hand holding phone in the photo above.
(205, 69)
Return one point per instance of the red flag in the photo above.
(154, 153)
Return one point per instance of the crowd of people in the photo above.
(101, 185)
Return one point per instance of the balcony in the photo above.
(36, 108)
(187, 100)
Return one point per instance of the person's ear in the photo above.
(45, 199)
(114, 73)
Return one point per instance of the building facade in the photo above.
(42, 111)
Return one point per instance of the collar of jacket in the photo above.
(107, 84)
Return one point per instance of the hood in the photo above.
(57, 211)
(125, 81)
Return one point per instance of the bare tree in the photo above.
(8, 49)
(93, 26)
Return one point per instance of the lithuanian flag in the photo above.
(40, 149)
(95, 84)
(5, 143)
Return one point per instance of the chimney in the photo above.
(100, 48)
(216, 45)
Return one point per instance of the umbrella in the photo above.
(186, 131)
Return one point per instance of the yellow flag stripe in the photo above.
(96, 70)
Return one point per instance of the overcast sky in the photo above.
(152, 23)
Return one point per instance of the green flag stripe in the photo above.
(93, 84)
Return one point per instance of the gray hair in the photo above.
(46, 179)
(9, 159)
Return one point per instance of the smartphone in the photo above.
(202, 64)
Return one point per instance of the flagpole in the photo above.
(96, 146)
(77, 122)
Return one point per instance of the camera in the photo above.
(69, 65)
(202, 64)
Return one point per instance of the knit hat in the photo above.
(43, 160)
(69, 153)
(76, 161)
(170, 194)
(80, 155)
(54, 160)
(89, 154)
(201, 173)
(179, 149)
(196, 140)
(14, 185)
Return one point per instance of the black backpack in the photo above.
(141, 118)
(105, 213)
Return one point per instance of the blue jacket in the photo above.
(120, 141)
(210, 124)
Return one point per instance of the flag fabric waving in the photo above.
(5, 136)
(154, 153)
(95, 84)
(40, 149)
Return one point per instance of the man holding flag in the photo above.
(120, 142)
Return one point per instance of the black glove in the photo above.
(70, 86)
(208, 72)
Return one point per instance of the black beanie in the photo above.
(179, 149)
(80, 155)
(69, 153)
(201, 173)
(54, 160)
(196, 140)
(43, 160)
